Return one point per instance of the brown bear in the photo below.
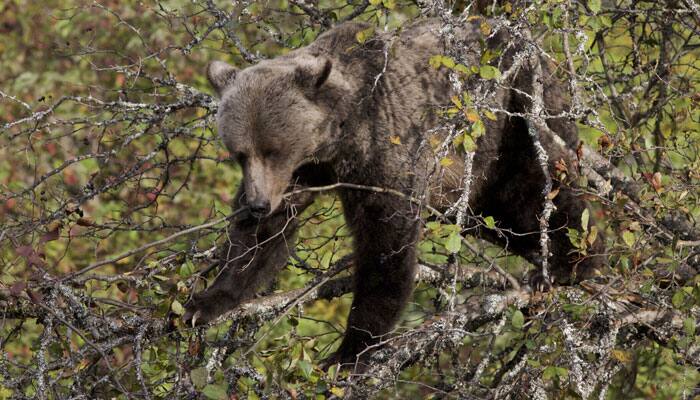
(364, 112)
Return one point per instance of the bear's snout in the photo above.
(259, 207)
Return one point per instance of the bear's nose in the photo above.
(259, 208)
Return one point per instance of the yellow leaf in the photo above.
(490, 115)
(452, 111)
(395, 139)
(471, 116)
(446, 161)
(592, 235)
(456, 101)
(435, 61)
(621, 355)
(459, 139)
(628, 238)
(448, 62)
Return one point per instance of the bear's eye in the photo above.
(270, 153)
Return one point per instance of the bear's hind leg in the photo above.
(514, 198)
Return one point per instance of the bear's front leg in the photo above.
(385, 231)
(255, 250)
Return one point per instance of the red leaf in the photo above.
(50, 236)
(32, 257)
(84, 222)
(36, 259)
(25, 251)
(193, 348)
(579, 150)
(35, 297)
(17, 288)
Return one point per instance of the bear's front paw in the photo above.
(202, 310)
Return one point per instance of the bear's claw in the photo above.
(539, 283)
(196, 315)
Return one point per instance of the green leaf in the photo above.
(462, 69)
(433, 225)
(594, 5)
(199, 377)
(454, 242)
(574, 237)
(518, 320)
(490, 222)
(177, 307)
(562, 372)
(186, 269)
(549, 373)
(489, 72)
(389, 4)
(451, 228)
(678, 299)
(628, 238)
(689, 326)
(326, 259)
(478, 129)
(363, 35)
(468, 143)
(305, 368)
(215, 392)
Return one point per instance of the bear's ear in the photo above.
(220, 75)
(315, 75)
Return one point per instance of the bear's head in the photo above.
(273, 117)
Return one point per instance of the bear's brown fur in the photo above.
(342, 111)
